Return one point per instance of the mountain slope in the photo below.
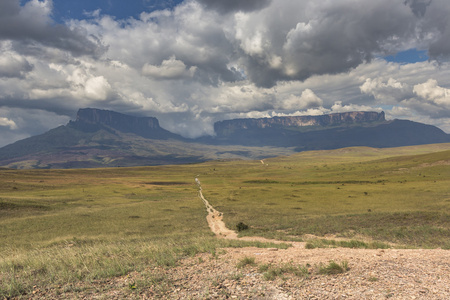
(101, 138)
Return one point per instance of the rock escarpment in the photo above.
(327, 131)
(357, 117)
(91, 119)
(116, 120)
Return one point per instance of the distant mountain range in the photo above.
(102, 138)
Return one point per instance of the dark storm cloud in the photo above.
(418, 7)
(323, 39)
(64, 107)
(31, 24)
(437, 22)
(226, 6)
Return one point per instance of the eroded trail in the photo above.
(372, 274)
(215, 217)
(218, 227)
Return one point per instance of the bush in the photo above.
(241, 226)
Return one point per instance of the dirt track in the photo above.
(218, 227)
(373, 274)
(214, 218)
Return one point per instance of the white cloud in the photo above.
(430, 91)
(13, 65)
(8, 123)
(169, 69)
(339, 108)
(307, 100)
(97, 88)
(204, 61)
(386, 91)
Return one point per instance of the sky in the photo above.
(194, 62)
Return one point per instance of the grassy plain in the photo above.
(399, 196)
(59, 227)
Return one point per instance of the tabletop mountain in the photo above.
(100, 138)
(328, 131)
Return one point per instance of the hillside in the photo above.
(102, 138)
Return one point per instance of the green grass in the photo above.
(388, 196)
(333, 268)
(272, 272)
(58, 227)
(246, 261)
(62, 226)
(355, 244)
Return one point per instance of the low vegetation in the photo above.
(333, 268)
(60, 227)
(246, 261)
(379, 196)
(355, 244)
(272, 272)
(241, 226)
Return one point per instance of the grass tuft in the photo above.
(355, 244)
(270, 273)
(246, 261)
(333, 268)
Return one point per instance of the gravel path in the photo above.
(372, 274)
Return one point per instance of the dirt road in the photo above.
(372, 274)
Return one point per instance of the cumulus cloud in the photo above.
(392, 90)
(306, 100)
(97, 88)
(313, 39)
(432, 92)
(169, 69)
(8, 123)
(203, 61)
(339, 108)
(13, 65)
(32, 23)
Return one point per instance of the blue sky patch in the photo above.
(119, 9)
(408, 56)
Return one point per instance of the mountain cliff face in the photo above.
(92, 119)
(327, 131)
(227, 127)
(116, 120)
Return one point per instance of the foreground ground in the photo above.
(372, 274)
(273, 273)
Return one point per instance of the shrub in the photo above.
(241, 226)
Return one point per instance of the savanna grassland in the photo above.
(395, 196)
(62, 227)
